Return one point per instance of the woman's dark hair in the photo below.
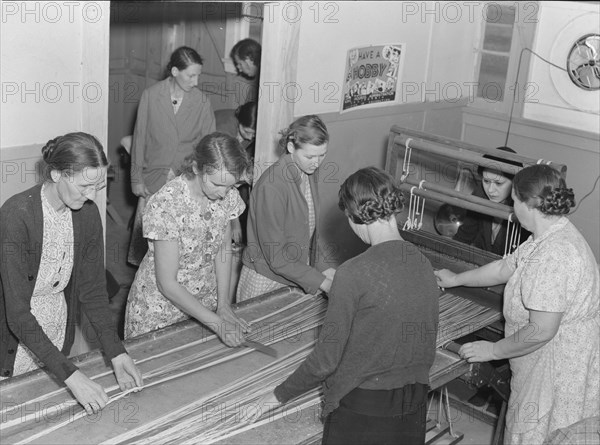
(247, 49)
(305, 130)
(493, 166)
(370, 194)
(218, 150)
(542, 187)
(246, 114)
(181, 58)
(72, 153)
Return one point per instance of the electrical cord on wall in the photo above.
(587, 194)
(513, 106)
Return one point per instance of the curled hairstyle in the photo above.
(247, 49)
(72, 153)
(215, 151)
(181, 58)
(305, 130)
(370, 194)
(492, 165)
(246, 114)
(542, 187)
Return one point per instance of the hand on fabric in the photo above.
(227, 314)
(230, 334)
(478, 351)
(140, 190)
(445, 278)
(127, 373)
(236, 230)
(231, 329)
(88, 393)
(263, 405)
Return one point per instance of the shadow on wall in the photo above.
(347, 155)
(339, 241)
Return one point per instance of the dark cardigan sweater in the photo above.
(476, 229)
(21, 233)
(279, 246)
(380, 329)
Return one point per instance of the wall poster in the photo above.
(371, 76)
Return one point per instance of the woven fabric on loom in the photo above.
(192, 423)
(459, 317)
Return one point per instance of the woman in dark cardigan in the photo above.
(53, 265)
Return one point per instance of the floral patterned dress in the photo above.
(48, 303)
(558, 384)
(172, 214)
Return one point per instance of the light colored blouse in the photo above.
(48, 303)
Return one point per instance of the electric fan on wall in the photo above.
(576, 49)
(583, 62)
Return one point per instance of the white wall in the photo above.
(439, 52)
(558, 100)
(54, 69)
(438, 38)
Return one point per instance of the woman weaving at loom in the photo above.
(375, 359)
(186, 271)
(552, 313)
(53, 265)
(485, 232)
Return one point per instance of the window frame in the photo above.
(526, 14)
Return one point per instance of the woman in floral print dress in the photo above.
(552, 313)
(187, 222)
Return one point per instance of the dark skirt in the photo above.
(396, 416)
(138, 245)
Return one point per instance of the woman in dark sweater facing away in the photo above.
(383, 312)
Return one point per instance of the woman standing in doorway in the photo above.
(173, 116)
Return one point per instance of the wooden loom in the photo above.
(196, 389)
(433, 168)
(199, 391)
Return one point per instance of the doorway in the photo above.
(142, 37)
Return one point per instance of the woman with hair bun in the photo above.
(283, 218)
(552, 313)
(375, 357)
(173, 115)
(53, 266)
(186, 271)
